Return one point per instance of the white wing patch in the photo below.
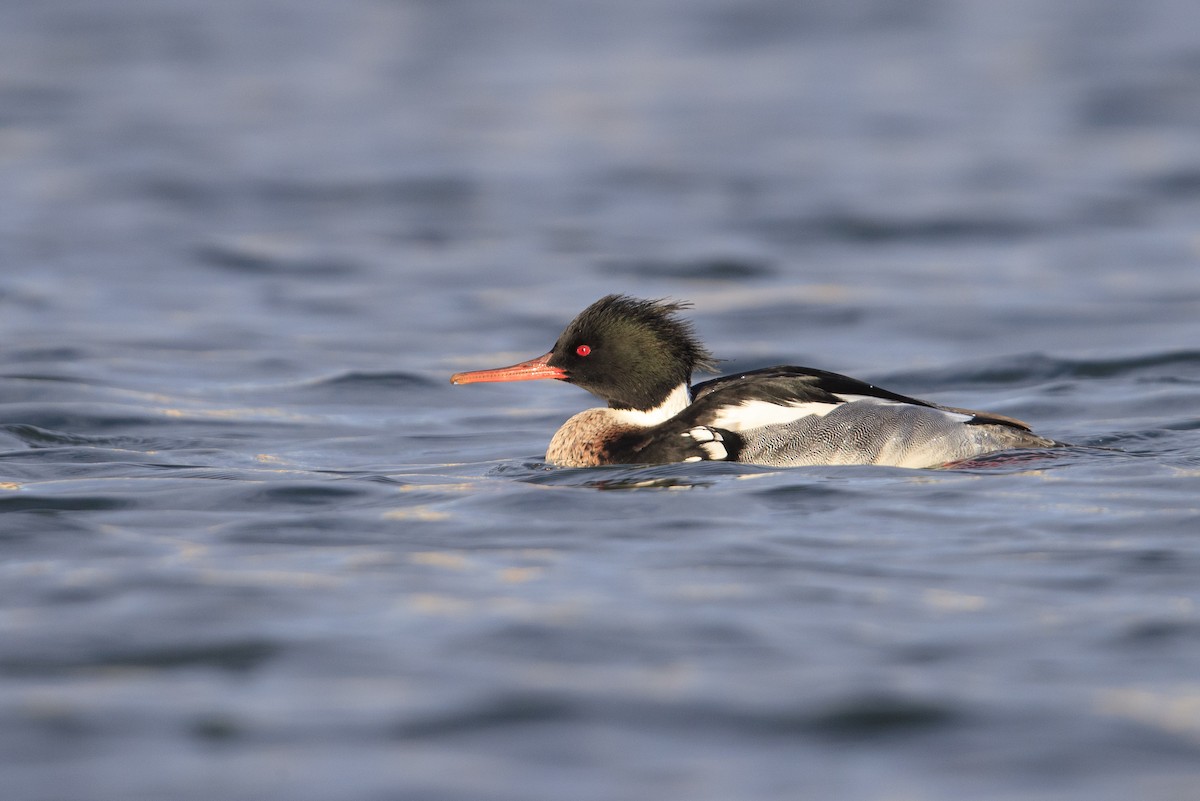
(756, 414)
(711, 442)
(957, 417)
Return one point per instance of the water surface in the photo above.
(254, 545)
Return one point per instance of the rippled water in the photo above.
(254, 545)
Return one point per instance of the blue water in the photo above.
(254, 545)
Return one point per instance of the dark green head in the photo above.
(630, 352)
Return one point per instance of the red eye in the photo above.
(583, 350)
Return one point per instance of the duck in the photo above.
(638, 357)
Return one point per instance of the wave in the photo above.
(1030, 368)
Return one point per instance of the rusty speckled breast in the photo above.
(581, 441)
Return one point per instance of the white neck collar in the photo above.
(675, 403)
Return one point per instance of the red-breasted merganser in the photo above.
(639, 356)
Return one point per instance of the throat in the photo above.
(673, 404)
